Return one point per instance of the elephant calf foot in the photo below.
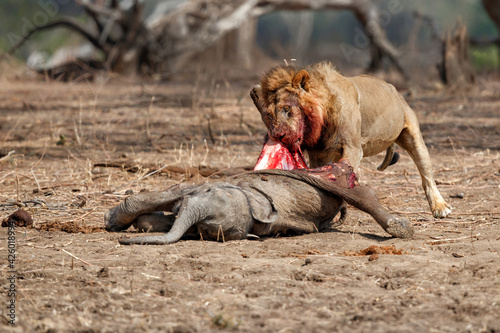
(399, 227)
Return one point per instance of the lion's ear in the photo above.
(301, 80)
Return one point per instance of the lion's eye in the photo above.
(286, 111)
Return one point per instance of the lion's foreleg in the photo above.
(350, 139)
(354, 154)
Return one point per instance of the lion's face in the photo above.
(289, 110)
(284, 118)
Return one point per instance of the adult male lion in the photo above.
(332, 117)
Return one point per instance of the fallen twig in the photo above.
(455, 214)
(52, 187)
(450, 240)
(73, 256)
(25, 203)
(7, 156)
(139, 179)
(457, 222)
(201, 170)
(151, 276)
(78, 218)
(456, 156)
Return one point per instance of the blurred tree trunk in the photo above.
(120, 33)
(455, 69)
(376, 56)
(237, 46)
(366, 12)
(181, 30)
(245, 41)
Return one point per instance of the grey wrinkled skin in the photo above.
(257, 203)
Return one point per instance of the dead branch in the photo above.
(204, 171)
(75, 257)
(431, 22)
(6, 157)
(66, 22)
(365, 10)
(452, 240)
(135, 46)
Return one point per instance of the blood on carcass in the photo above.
(275, 155)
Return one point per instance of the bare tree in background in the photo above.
(181, 30)
(455, 68)
(119, 33)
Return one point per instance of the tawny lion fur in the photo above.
(330, 116)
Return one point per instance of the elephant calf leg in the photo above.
(365, 199)
(123, 216)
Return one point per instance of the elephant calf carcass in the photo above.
(259, 203)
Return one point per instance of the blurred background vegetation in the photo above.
(335, 27)
(330, 28)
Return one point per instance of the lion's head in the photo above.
(290, 109)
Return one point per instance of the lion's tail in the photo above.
(391, 157)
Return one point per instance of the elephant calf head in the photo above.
(217, 210)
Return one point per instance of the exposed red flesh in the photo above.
(275, 155)
(341, 171)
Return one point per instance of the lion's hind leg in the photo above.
(411, 140)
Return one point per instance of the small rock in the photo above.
(103, 272)
(457, 196)
(20, 218)
(79, 202)
(307, 262)
(129, 192)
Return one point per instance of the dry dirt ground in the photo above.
(69, 152)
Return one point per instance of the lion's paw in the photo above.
(441, 210)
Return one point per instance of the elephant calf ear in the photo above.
(256, 95)
(301, 80)
(261, 205)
